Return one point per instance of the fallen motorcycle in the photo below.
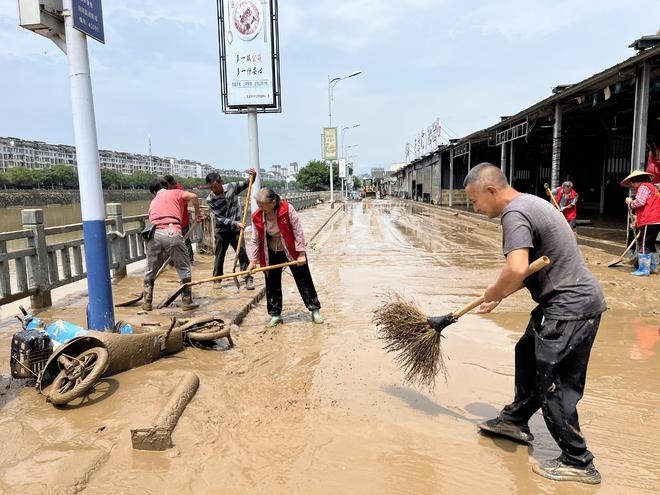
(67, 360)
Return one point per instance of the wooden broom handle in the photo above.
(541, 262)
(245, 212)
(547, 188)
(632, 243)
(244, 272)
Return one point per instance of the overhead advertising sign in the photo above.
(330, 143)
(342, 168)
(427, 140)
(249, 55)
(88, 18)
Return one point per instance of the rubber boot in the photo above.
(186, 297)
(316, 317)
(148, 294)
(655, 261)
(643, 265)
(274, 321)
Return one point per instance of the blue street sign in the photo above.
(88, 18)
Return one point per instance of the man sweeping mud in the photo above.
(553, 353)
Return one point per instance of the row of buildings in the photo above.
(16, 152)
(593, 133)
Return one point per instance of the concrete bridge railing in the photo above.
(35, 260)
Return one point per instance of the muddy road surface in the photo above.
(306, 408)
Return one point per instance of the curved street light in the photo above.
(331, 84)
(343, 152)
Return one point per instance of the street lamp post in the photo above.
(343, 152)
(331, 84)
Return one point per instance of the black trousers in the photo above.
(303, 279)
(551, 368)
(647, 237)
(224, 239)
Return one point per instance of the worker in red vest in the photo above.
(277, 237)
(646, 206)
(567, 199)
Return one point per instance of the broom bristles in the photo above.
(406, 332)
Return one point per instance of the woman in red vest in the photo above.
(646, 206)
(277, 237)
(567, 199)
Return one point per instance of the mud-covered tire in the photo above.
(86, 369)
(210, 332)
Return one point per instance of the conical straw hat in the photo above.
(637, 173)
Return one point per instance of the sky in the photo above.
(463, 62)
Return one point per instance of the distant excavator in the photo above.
(368, 188)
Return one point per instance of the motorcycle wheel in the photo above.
(210, 332)
(77, 378)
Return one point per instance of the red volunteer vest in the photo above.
(571, 212)
(283, 222)
(650, 212)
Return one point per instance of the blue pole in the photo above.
(100, 311)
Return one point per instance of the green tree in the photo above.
(111, 179)
(61, 176)
(22, 178)
(315, 177)
(357, 183)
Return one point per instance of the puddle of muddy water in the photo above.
(309, 408)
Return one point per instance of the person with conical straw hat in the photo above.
(646, 206)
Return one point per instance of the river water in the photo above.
(61, 214)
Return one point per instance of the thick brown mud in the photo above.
(306, 408)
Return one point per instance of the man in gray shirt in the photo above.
(553, 353)
(223, 201)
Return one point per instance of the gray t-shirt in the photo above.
(566, 289)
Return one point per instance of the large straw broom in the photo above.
(416, 338)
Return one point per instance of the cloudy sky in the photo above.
(464, 62)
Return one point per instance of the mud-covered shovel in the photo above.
(623, 256)
(170, 299)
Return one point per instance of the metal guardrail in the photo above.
(41, 265)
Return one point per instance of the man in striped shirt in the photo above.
(223, 201)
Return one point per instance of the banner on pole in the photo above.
(330, 143)
(342, 168)
(249, 55)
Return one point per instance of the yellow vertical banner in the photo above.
(330, 143)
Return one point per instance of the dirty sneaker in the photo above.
(507, 429)
(556, 470)
(274, 321)
(249, 283)
(316, 317)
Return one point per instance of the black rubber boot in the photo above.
(148, 292)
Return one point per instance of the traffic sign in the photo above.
(88, 18)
